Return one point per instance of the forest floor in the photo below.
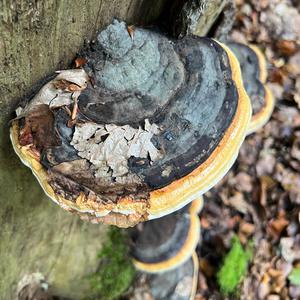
(259, 199)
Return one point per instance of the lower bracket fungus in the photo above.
(254, 73)
(147, 126)
(155, 250)
(178, 284)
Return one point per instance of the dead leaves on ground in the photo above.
(259, 199)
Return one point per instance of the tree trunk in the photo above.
(36, 38)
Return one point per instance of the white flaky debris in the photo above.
(55, 97)
(108, 147)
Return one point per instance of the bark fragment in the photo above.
(108, 147)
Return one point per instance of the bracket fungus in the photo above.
(147, 126)
(177, 284)
(254, 74)
(155, 250)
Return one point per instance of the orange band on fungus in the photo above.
(262, 117)
(263, 74)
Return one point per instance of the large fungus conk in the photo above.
(146, 127)
(155, 250)
(254, 74)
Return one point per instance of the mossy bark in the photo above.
(36, 38)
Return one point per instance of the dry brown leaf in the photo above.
(266, 182)
(247, 228)
(204, 223)
(206, 267)
(266, 164)
(287, 47)
(80, 62)
(238, 202)
(66, 85)
(294, 61)
(276, 226)
(39, 128)
(131, 30)
(243, 182)
(277, 75)
(264, 287)
(274, 272)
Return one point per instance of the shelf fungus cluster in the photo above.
(145, 127)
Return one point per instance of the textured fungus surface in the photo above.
(178, 85)
(156, 250)
(254, 73)
(148, 112)
(153, 244)
(177, 284)
(251, 74)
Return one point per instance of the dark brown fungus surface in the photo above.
(165, 243)
(254, 73)
(177, 284)
(160, 125)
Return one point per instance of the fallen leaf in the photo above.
(286, 47)
(247, 228)
(39, 127)
(274, 272)
(243, 182)
(277, 75)
(206, 267)
(289, 251)
(66, 85)
(131, 30)
(278, 225)
(204, 223)
(265, 164)
(264, 287)
(80, 62)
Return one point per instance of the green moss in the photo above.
(234, 266)
(116, 270)
(294, 276)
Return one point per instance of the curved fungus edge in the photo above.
(262, 117)
(183, 254)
